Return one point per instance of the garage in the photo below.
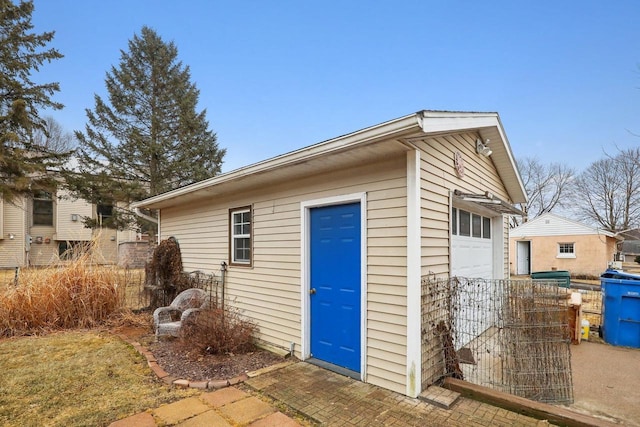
(471, 244)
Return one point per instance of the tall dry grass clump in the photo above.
(77, 294)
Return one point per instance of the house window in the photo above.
(566, 250)
(104, 214)
(240, 236)
(42, 208)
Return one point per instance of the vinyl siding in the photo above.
(553, 225)
(438, 181)
(43, 253)
(12, 252)
(17, 219)
(66, 229)
(269, 291)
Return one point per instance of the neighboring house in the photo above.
(550, 242)
(631, 245)
(39, 230)
(327, 246)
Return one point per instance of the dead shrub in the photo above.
(219, 331)
(163, 273)
(74, 295)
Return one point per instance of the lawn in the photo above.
(76, 378)
(59, 366)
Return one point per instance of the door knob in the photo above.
(312, 291)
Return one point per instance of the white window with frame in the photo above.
(240, 236)
(566, 250)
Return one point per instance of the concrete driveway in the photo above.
(606, 382)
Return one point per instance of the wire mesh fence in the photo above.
(155, 296)
(591, 303)
(508, 335)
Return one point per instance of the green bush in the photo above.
(637, 260)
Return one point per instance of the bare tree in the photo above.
(608, 191)
(547, 186)
(53, 137)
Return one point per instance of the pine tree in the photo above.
(148, 138)
(24, 163)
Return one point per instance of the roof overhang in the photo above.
(366, 145)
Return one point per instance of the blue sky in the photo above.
(276, 76)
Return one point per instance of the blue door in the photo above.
(335, 285)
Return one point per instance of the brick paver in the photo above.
(206, 419)
(275, 420)
(223, 396)
(181, 410)
(334, 400)
(142, 419)
(247, 410)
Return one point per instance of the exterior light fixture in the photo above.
(483, 148)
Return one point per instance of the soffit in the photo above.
(326, 163)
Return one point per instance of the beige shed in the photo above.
(326, 246)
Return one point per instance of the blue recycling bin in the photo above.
(620, 308)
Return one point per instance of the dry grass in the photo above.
(80, 375)
(76, 295)
(73, 294)
(75, 379)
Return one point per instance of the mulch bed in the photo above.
(194, 365)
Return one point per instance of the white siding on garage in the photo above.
(269, 291)
(549, 224)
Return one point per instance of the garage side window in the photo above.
(240, 236)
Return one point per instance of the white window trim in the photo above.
(566, 255)
(233, 236)
(305, 276)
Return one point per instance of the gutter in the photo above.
(136, 210)
(347, 141)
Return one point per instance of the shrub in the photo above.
(219, 331)
(637, 259)
(74, 295)
(164, 273)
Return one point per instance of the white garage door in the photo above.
(471, 245)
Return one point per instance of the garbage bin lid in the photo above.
(610, 273)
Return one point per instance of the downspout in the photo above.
(145, 216)
(150, 219)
